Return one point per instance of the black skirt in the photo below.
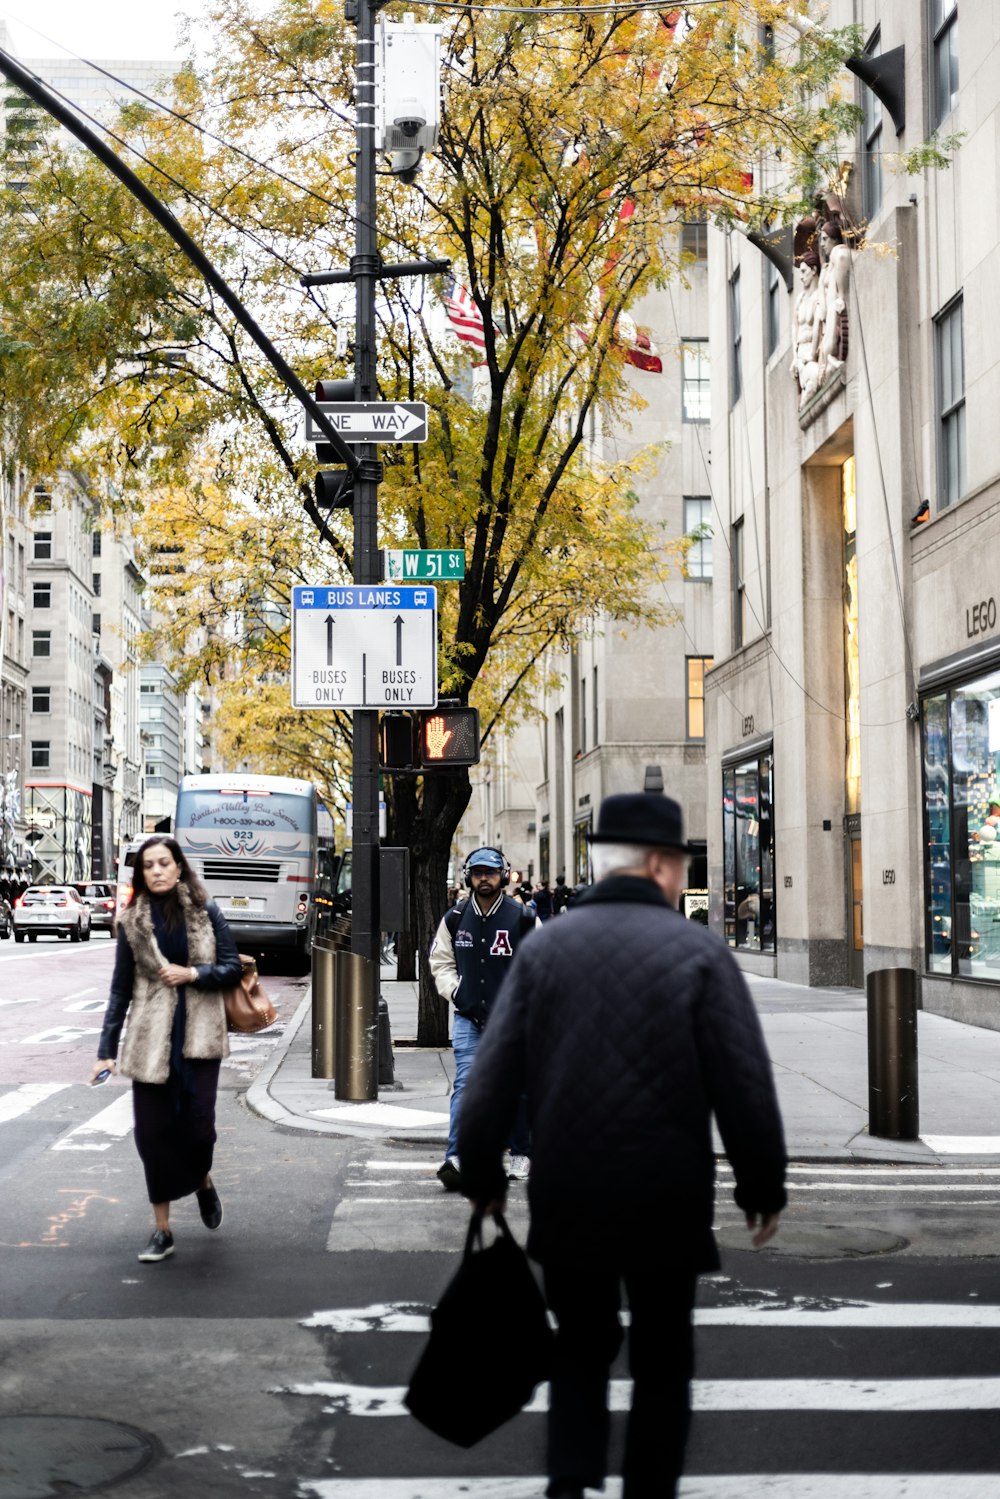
(175, 1131)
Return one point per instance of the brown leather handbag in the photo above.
(248, 1008)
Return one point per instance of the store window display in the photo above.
(961, 741)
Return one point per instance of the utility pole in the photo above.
(365, 268)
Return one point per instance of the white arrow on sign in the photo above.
(373, 421)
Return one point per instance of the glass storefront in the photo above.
(961, 752)
(748, 853)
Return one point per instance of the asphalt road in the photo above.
(860, 1356)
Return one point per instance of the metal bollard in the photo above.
(357, 1028)
(386, 1069)
(324, 960)
(893, 1093)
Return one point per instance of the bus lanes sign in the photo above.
(357, 646)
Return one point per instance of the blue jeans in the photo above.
(465, 1038)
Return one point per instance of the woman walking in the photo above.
(175, 956)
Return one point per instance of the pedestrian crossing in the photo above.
(879, 1365)
(369, 1337)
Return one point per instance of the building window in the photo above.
(698, 525)
(96, 587)
(95, 624)
(773, 296)
(41, 595)
(748, 854)
(871, 144)
(41, 642)
(42, 500)
(951, 404)
(739, 586)
(697, 666)
(95, 544)
(597, 736)
(581, 851)
(736, 339)
(694, 239)
(696, 403)
(944, 31)
(43, 546)
(961, 744)
(40, 754)
(41, 699)
(583, 713)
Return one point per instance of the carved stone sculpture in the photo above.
(807, 327)
(834, 287)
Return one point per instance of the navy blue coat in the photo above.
(628, 1027)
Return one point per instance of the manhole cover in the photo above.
(42, 1456)
(819, 1241)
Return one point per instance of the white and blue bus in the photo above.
(263, 847)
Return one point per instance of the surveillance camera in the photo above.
(410, 117)
(405, 164)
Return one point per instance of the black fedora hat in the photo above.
(641, 817)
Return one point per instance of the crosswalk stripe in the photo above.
(13, 1105)
(695, 1486)
(861, 1395)
(101, 1131)
(897, 1315)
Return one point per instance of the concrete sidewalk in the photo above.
(819, 1046)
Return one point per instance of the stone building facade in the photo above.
(853, 713)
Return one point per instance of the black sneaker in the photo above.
(448, 1175)
(159, 1246)
(209, 1206)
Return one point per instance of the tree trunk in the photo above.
(401, 812)
(426, 827)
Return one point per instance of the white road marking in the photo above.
(883, 1172)
(81, 992)
(963, 1144)
(965, 1394)
(86, 1006)
(403, 1316)
(694, 1486)
(59, 1035)
(430, 1166)
(936, 1186)
(24, 999)
(382, 1113)
(13, 1105)
(103, 1130)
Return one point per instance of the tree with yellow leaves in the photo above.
(573, 139)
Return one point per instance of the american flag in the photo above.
(464, 316)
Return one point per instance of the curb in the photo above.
(262, 1102)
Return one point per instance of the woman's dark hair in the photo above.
(195, 888)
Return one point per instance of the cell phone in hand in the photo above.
(101, 1077)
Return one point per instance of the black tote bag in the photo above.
(490, 1342)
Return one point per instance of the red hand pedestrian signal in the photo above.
(448, 738)
(436, 737)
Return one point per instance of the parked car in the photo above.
(6, 919)
(51, 908)
(99, 898)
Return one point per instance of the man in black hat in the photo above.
(628, 1027)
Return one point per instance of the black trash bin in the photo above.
(893, 1095)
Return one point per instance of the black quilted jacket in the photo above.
(628, 1027)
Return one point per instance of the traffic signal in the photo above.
(334, 489)
(447, 738)
(396, 749)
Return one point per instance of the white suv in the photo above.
(51, 908)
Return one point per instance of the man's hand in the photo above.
(767, 1230)
(437, 737)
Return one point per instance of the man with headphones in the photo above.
(469, 960)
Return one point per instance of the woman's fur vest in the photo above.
(146, 1048)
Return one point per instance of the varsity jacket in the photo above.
(471, 953)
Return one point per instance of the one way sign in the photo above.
(373, 421)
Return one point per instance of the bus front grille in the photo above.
(246, 871)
